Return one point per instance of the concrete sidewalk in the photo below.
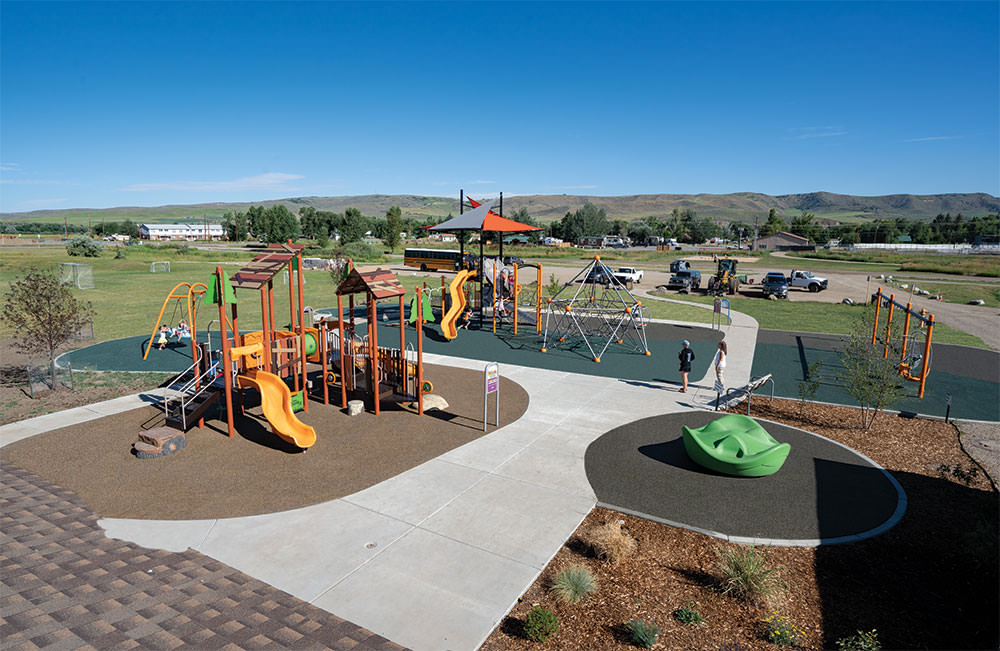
(435, 557)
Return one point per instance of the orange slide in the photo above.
(276, 403)
(448, 328)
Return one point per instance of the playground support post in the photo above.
(888, 325)
(420, 353)
(906, 331)
(323, 352)
(226, 358)
(343, 369)
(373, 349)
(878, 307)
(514, 297)
(302, 335)
(494, 311)
(927, 356)
(271, 321)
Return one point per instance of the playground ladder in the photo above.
(187, 401)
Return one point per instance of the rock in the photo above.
(772, 297)
(434, 401)
(355, 407)
(847, 301)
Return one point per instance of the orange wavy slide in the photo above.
(448, 328)
(276, 403)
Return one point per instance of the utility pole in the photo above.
(756, 220)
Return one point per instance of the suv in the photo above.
(774, 283)
(598, 275)
(511, 260)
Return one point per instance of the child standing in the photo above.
(162, 339)
(686, 356)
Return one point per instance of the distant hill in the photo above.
(745, 206)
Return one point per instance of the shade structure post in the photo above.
(514, 297)
(494, 303)
(538, 302)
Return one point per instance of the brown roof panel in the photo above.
(381, 283)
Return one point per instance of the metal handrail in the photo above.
(190, 389)
(747, 391)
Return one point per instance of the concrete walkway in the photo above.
(435, 557)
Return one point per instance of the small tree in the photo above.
(872, 380)
(84, 246)
(393, 227)
(43, 314)
(809, 385)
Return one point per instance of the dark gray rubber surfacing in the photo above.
(824, 491)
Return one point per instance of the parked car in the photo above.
(806, 280)
(510, 260)
(685, 281)
(774, 284)
(598, 275)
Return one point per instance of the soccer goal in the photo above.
(159, 267)
(79, 275)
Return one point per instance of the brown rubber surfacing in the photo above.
(823, 491)
(255, 471)
(64, 584)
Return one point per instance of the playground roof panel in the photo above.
(380, 283)
(482, 218)
(265, 266)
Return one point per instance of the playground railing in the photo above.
(737, 395)
(182, 393)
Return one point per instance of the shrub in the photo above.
(689, 614)
(540, 624)
(746, 574)
(644, 633)
(959, 473)
(361, 252)
(860, 641)
(781, 631)
(84, 246)
(573, 584)
(609, 542)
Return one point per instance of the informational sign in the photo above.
(491, 384)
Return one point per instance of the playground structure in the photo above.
(913, 366)
(598, 314)
(189, 300)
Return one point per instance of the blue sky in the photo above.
(147, 104)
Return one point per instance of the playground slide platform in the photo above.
(276, 403)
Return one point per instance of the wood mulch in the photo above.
(931, 582)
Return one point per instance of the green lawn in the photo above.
(807, 316)
(966, 265)
(959, 292)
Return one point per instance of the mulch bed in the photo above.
(930, 582)
(255, 471)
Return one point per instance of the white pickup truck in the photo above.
(806, 280)
(624, 274)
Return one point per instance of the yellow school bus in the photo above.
(439, 259)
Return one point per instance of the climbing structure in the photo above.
(596, 312)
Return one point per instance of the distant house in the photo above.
(187, 232)
(785, 242)
(443, 237)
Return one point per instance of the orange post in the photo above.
(265, 330)
(878, 306)
(402, 338)
(420, 353)
(538, 302)
(888, 325)
(302, 336)
(906, 332)
(226, 360)
(514, 297)
(373, 353)
(323, 354)
(494, 297)
(927, 356)
(270, 318)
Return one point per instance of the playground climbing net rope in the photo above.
(601, 312)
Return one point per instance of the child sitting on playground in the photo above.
(466, 320)
(182, 331)
(162, 339)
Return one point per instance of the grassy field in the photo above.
(965, 265)
(127, 297)
(835, 318)
(959, 292)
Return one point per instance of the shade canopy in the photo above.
(482, 218)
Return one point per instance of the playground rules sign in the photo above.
(491, 384)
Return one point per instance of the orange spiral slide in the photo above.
(275, 400)
(448, 328)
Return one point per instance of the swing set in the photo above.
(912, 365)
(184, 295)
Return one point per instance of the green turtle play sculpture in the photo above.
(735, 445)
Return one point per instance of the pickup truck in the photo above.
(625, 274)
(774, 284)
(685, 281)
(806, 280)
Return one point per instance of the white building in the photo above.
(188, 232)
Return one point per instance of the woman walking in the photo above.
(719, 363)
(686, 356)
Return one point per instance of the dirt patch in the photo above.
(930, 582)
(256, 472)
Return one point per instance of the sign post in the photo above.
(491, 384)
(947, 409)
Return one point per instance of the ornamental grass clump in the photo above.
(860, 641)
(644, 633)
(747, 576)
(781, 631)
(609, 542)
(573, 584)
(689, 614)
(540, 624)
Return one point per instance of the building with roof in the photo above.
(185, 231)
(784, 241)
